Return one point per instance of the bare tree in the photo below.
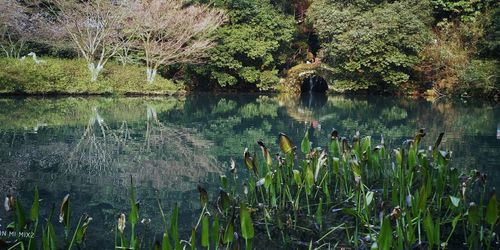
(170, 31)
(17, 26)
(95, 28)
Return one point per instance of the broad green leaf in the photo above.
(367, 144)
(174, 227)
(165, 242)
(429, 229)
(369, 198)
(229, 233)
(268, 181)
(336, 165)
(246, 223)
(134, 213)
(399, 157)
(224, 201)
(296, 177)
(492, 210)
(49, 238)
(205, 232)
(223, 180)
(473, 214)
(309, 177)
(412, 158)
(215, 232)
(422, 198)
(35, 207)
(20, 217)
(335, 148)
(319, 211)
(385, 237)
(305, 145)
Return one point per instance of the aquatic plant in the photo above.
(24, 229)
(363, 195)
(353, 193)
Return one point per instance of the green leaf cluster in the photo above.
(248, 46)
(465, 10)
(371, 44)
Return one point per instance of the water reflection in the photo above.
(90, 147)
(95, 149)
(313, 100)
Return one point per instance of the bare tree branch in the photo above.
(95, 27)
(169, 32)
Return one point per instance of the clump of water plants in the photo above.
(23, 231)
(352, 193)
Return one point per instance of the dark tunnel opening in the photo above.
(314, 83)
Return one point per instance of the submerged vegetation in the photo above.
(351, 193)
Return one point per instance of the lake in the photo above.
(89, 147)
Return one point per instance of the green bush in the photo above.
(479, 77)
(371, 44)
(249, 46)
(67, 76)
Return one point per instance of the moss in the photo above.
(65, 76)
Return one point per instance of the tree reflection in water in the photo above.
(97, 147)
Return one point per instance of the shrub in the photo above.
(449, 62)
(65, 76)
(479, 77)
(371, 44)
(249, 47)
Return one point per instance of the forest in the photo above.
(407, 47)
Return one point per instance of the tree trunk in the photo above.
(94, 71)
(151, 74)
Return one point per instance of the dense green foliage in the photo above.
(250, 46)
(403, 46)
(463, 59)
(71, 77)
(479, 77)
(465, 10)
(370, 44)
(490, 47)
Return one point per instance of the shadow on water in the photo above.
(313, 100)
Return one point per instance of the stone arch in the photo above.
(321, 75)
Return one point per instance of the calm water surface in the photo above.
(89, 147)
